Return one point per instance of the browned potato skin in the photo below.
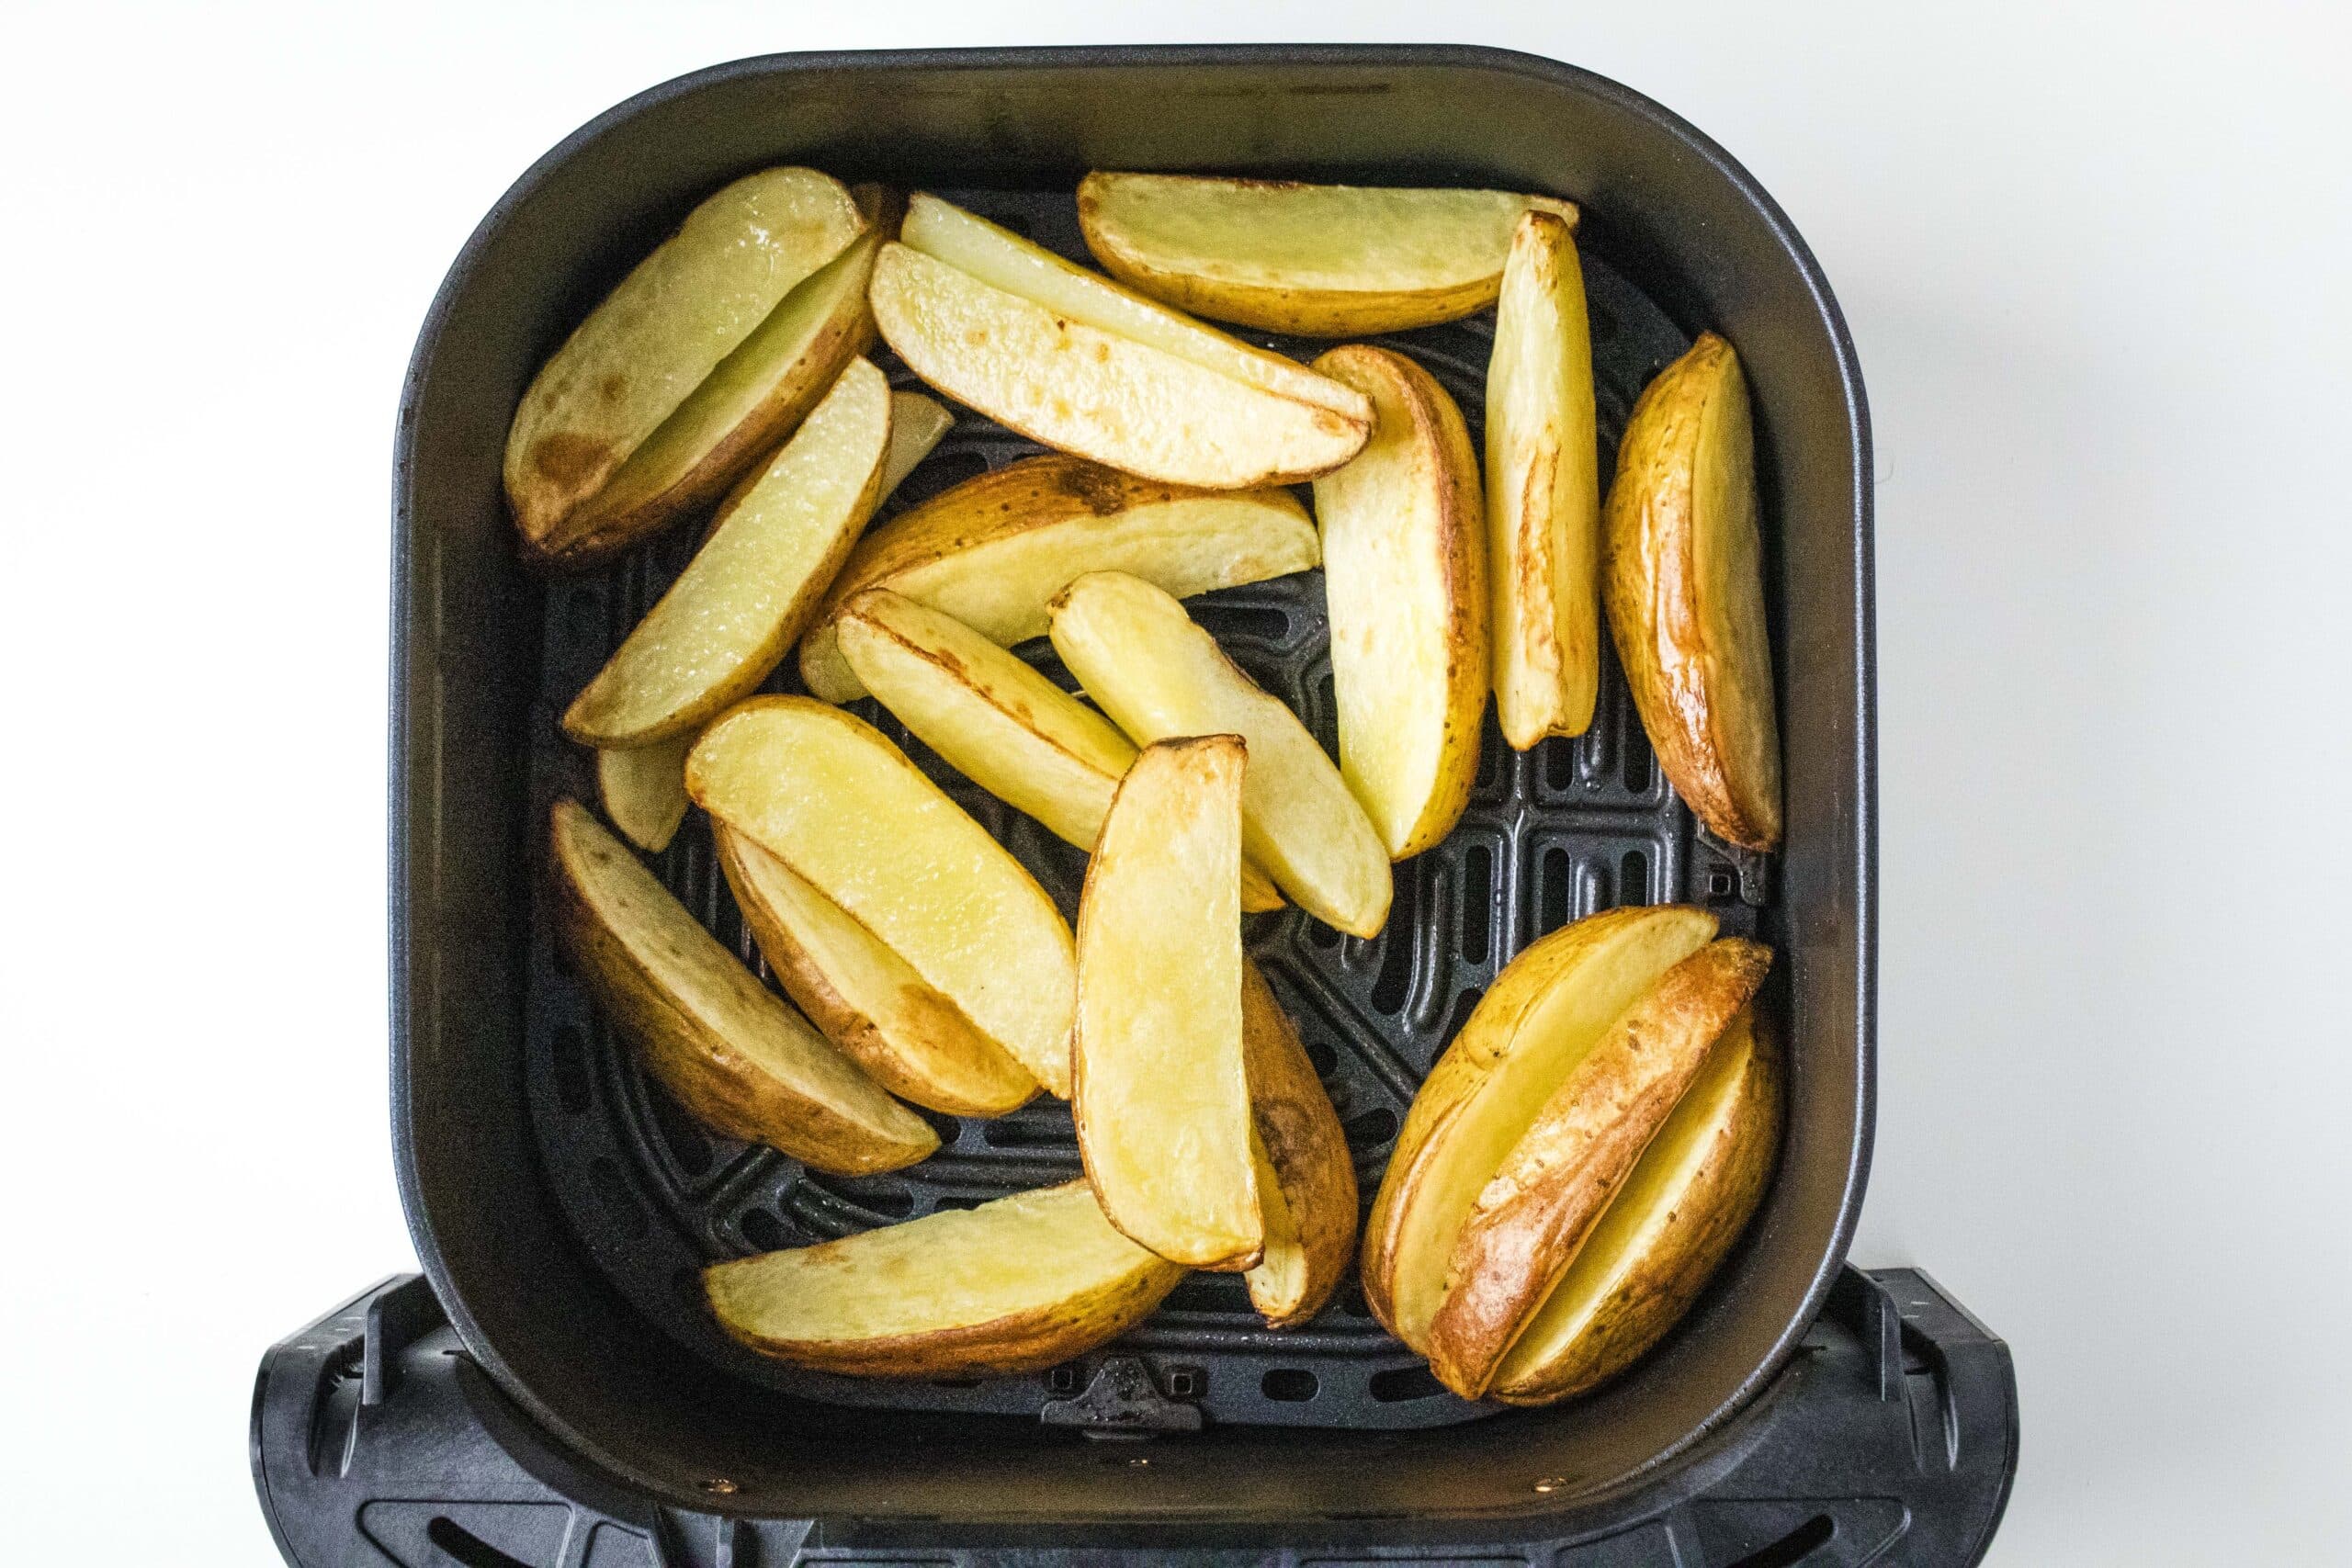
(1023, 1343)
(708, 1076)
(1542, 1204)
(1715, 1209)
(1694, 644)
(1307, 1146)
(811, 989)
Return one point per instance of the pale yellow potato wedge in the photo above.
(867, 999)
(1544, 1013)
(749, 592)
(1543, 490)
(1157, 675)
(1405, 583)
(730, 1051)
(630, 395)
(1016, 1285)
(991, 551)
(1682, 575)
(1002, 259)
(643, 791)
(1531, 1219)
(827, 794)
(917, 424)
(1162, 1095)
(1088, 391)
(996, 720)
(1320, 261)
(1665, 1234)
(1306, 1179)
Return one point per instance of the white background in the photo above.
(2096, 266)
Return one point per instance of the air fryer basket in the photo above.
(562, 1205)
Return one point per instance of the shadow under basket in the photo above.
(556, 1362)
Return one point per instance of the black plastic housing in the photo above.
(634, 1410)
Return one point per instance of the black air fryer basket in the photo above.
(559, 1384)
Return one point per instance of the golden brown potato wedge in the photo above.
(643, 791)
(1543, 490)
(1082, 390)
(996, 720)
(1157, 675)
(991, 551)
(917, 424)
(827, 795)
(1002, 259)
(1404, 578)
(1306, 1179)
(751, 590)
(1683, 577)
(1547, 1009)
(1322, 261)
(867, 999)
(1162, 1095)
(1012, 1286)
(726, 1046)
(1530, 1219)
(1665, 1233)
(704, 357)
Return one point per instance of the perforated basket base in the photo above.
(1551, 835)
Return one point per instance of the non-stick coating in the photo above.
(609, 1379)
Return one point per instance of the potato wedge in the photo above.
(996, 720)
(1667, 1230)
(1162, 1095)
(1405, 581)
(1320, 261)
(751, 590)
(917, 424)
(1085, 391)
(867, 999)
(1306, 1179)
(1016, 1285)
(991, 551)
(1157, 675)
(1683, 577)
(727, 1047)
(689, 369)
(1543, 490)
(1547, 1009)
(1002, 259)
(1533, 1218)
(643, 791)
(827, 795)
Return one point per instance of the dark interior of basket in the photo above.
(1551, 835)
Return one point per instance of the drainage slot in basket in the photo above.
(1399, 1385)
(1291, 1385)
(1794, 1546)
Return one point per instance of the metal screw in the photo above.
(1551, 1483)
(720, 1486)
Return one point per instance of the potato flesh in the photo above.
(1683, 577)
(829, 796)
(867, 999)
(1162, 1095)
(643, 791)
(993, 550)
(1157, 675)
(917, 425)
(748, 592)
(1306, 1176)
(1319, 259)
(1004, 260)
(1547, 1010)
(1080, 389)
(1403, 571)
(711, 1032)
(656, 337)
(996, 720)
(1665, 1232)
(1543, 492)
(982, 1279)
